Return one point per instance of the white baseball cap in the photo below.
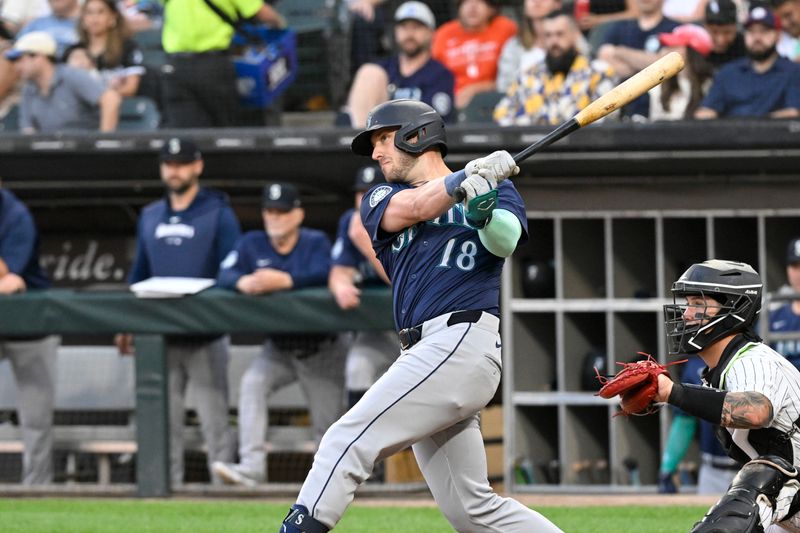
(35, 42)
(415, 11)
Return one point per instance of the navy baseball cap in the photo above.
(793, 252)
(761, 15)
(179, 150)
(368, 176)
(722, 12)
(282, 196)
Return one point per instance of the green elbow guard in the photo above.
(501, 235)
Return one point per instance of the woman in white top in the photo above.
(526, 49)
(678, 97)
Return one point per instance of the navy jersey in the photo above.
(785, 321)
(438, 266)
(189, 243)
(308, 263)
(19, 241)
(345, 253)
(432, 84)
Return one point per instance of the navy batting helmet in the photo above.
(734, 287)
(411, 117)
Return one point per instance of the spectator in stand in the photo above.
(371, 352)
(686, 11)
(199, 78)
(631, 45)
(411, 73)
(786, 318)
(555, 90)
(717, 470)
(61, 23)
(282, 256)
(759, 85)
(679, 97)
(33, 360)
(14, 14)
(104, 32)
(596, 16)
(470, 47)
(59, 97)
(721, 24)
(526, 49)
(187, 234)
(788, 11)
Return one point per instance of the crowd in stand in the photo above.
(69, 64)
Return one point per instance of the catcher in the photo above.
(750, 391)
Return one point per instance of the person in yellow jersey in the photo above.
(199, 76)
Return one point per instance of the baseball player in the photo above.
(750, 391)
(444, 262)
(786, 318)
(371, 352)
(282, 256)
(33, 360)
(188, 233)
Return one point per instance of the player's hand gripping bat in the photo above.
(630, 89)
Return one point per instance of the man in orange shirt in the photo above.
(470, 47)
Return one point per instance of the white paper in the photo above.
(170, 287)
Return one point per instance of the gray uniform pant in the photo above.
(369, 356)
(34, 366)
(205, 364)
(321, 376)
(430, 398)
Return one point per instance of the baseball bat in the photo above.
(621, 95)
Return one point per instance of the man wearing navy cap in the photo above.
(786, 319)
(33, 360)
(371, 352)
(187, 234)
(282, 256)
(762, 84)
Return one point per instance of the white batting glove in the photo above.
(476, 185)
(498, 165)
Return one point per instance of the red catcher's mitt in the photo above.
(636, 383)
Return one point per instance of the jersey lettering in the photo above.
(404, 239)
(465, 260)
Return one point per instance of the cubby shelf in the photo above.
(587, 290)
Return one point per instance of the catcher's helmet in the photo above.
(736, 290)
(411, 117)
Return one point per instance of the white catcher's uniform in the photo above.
(757, 367)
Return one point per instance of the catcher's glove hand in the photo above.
(637, 385)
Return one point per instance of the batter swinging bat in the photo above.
(630, 89)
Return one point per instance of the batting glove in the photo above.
(498, 165)
(480, 200)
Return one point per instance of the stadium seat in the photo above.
(480, 108)
(138, 114)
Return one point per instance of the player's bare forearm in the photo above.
(361, 240)
(419, 204)
(746, 410)
(340, 283)
(789, 112)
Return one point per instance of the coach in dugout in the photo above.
(33, 360)
(282, 256)
(188, 233)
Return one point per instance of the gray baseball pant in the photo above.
(205, 364)
(321, 376)
(34, 366)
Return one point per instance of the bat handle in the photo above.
(459, 194)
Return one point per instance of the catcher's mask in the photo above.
(732, 298)
(412, 119)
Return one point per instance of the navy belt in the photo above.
(411, 336)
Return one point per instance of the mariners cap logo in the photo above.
(369, 175)
(275, 192)
(174, 146)
(378, 195)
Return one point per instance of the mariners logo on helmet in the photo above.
(419, 127)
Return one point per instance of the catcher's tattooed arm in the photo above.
(746, 410)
